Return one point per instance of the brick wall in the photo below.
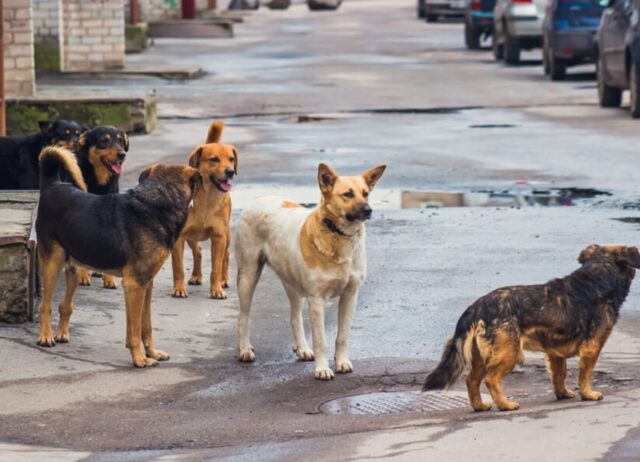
(93, 35)
(47, 21)
(47, 26)
(18, 51)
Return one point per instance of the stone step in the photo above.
(191, 28)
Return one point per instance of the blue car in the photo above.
(568, 35)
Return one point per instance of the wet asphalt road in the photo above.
(383, 88)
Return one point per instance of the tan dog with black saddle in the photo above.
(210, 216)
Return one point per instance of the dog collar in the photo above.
(333, 228)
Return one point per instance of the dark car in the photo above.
(478, 21)
(618, 41)
(431, 10)
(568, 35)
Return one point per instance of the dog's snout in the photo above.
(366, 211)
(121, 155)
(229, 172)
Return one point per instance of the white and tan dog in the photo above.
(318, 255)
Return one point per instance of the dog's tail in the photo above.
(56, 161)
(456, 356)
(215, 131)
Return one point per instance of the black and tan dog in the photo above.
(129, 235)
(563, 318)
(19, 154)
(101, 153)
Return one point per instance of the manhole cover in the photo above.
(396, 402)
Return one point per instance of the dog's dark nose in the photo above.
(229, 173)
(121, 155)
(365, 210)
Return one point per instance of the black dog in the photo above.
(572, 316)
(19, 154)
(129, 235)
(101, 153)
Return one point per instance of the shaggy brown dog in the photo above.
(210, 216)
(129, 235)
(562, 318)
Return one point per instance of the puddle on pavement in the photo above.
(399, 199)
(397, 402)
(499, 198)
(493, 126)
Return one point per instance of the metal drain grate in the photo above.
(396, 402)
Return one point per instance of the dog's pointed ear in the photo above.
(587, 253)
(326, 178)
(145, 174)
(46, 126)
(194, 158)
(82, 140)
(630, 256)
(372, 176)
(235, 161)
(126, 142)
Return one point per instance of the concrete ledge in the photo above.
(132, 114)
(191, 28)
(17, 256)
(136, 37)
(163, 72)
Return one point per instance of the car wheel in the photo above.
(557, 67)
(511, 49)
(432, 17)
(421, 9)
(471, 37)
(608, 96)
(634, 87)
(496, 46)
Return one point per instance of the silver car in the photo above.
(517, 26)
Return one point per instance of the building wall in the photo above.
(18, 52)
(93, 35)
(47, 26)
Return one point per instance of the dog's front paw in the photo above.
(45, 339)
(246, 355)
(158, 355)
(508, 405)
(179, 291)
(323, 374)
(565, 394)
(61, 336)
(304, 353)
(109, 282)
(218, 294)
(144, 361)
(591, 395)
(344, 366)
(195, 280)
(225, 284)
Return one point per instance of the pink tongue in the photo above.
(226, 187)
(117, 168)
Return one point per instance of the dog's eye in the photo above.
(215, 160)
(77, 132)
(348, 194)
(68, 131)
(365, 194)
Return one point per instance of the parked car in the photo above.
(431, 10)
(517, 26)
(568, 35)
(618, 42)
(478, 21)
